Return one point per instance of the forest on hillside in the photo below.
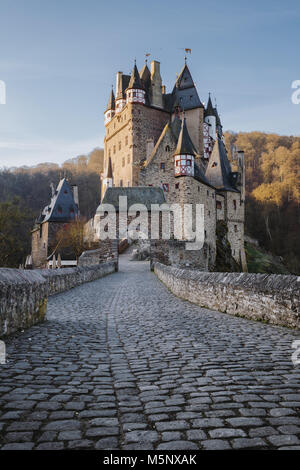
(25, 191)
(272, 190)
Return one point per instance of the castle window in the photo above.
(123, 161)
(207, 192)
(167, 148)
(119, 145)
(162, 166)
(121, 183)
(205, 233)
(188, 163)
(126, 140)
(219, 205)
(235, 228)
(177, 186)
(213, 195)
(128, 159)
(234, 204)
(114, 149)
(208, 213)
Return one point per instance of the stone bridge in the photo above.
(122, 363)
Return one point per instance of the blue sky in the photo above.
(59, 58)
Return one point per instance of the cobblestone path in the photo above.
(121, 363)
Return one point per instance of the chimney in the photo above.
(156, 84)
(119, 84)
(75, 194)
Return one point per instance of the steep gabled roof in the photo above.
(111, 101)
(145, 75)
(184, 79)
(218, 171)
(135, 81)
(184, 143)
(185, 91)
(62, 207)
(200, 176)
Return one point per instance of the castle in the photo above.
(172, 141)
(165, 147)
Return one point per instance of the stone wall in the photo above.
(272, 298)
(60, 280)
(24, 294)
(23, 299)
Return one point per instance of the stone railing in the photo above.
(272, 298)
(23, 299)
(24, 293)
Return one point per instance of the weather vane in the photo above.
(187, 51)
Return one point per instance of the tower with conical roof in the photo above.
(185, 152)
(107, 180)
(135, 92)
(110, 108)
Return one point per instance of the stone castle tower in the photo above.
(172, 141)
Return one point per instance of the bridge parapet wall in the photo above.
(24, 294)
(271, 298)
(23, 299)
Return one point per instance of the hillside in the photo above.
(272, 192)
(272, 203)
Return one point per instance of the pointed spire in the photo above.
(210, 110)
(184, 143)
(219, 171)
(111, 101)
(109, 173)
(135, 81)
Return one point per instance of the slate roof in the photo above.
(185, 91)
(109, 172)
(111, 101)
(184, 143)
(145, 195)
(62, 207)
(210, 110)
(135, 81)
(218, 171)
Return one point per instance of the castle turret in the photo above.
(110, 109)
(184, 155)
(135, 92)
(156, 85)
(107, 181)
(210, 119)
